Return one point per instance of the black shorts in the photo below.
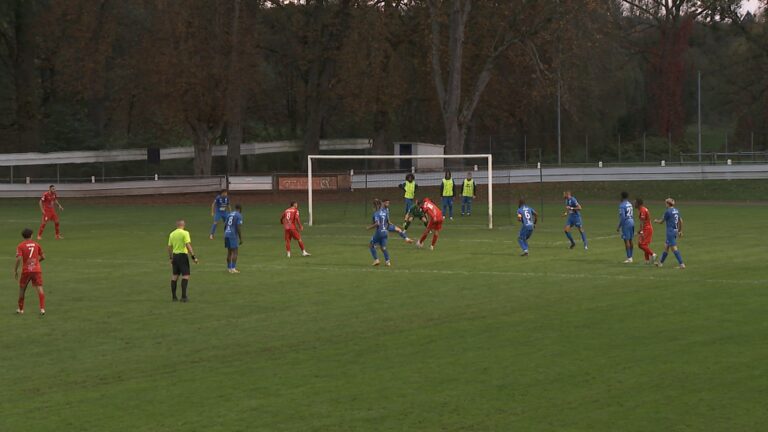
(180, 264)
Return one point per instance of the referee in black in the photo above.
(179, 251)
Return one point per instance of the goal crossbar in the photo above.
(486, 156)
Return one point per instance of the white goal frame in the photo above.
(486, 156)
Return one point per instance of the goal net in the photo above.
(428, 177)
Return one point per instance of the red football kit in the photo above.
(646, 232)
(435, 221)
(30, 253)
(49, 212)
(292, 224)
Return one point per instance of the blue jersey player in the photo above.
(219, 210)
(626, 225)
(674, 223)
(528, 218)
(392, 227)
(573, 213)
(233, 237)
(380, 223)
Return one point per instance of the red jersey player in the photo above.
(47, 207)
(645, 235)
(29, 254)
(435, 222)
(292, 225)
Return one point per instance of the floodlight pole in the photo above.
(699, 109)
(309, 188)
(490, 191)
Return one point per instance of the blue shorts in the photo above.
(672, 238)
(574, 219)
(627, 232)
(379, 239)
(220, 216)
(391, 228)
(408, 204)
(230, 242)
(526, 232)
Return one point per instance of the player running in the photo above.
(435, 224)
(626, 225)
(292, 225)
(468, 193)
(409, 191)
(179, 251)
(674, 231)
(48, 204)
(219, 210)
(528, 218)
(381, 223)
(233, 237)
(448, 192)
(29, 254)
(645, 235)
(573, 212)
(392, 227)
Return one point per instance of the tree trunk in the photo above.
(234, 98)
(203, 154)
(382, 138)
(204, 136)
(27, 83)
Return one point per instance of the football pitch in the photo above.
(469, 337)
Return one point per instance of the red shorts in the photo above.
(50, 215)
(292, 234)
(35, 278)
(645, 236)
(435, 225)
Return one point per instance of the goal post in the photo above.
(487, 157)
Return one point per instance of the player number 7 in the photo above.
(31, 250)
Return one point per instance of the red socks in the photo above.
(647, 250)
(41, 297)
(301, 245)
(21, 303)
(56, 224)
(434, 238)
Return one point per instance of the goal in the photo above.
(484, 177)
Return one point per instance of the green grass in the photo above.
(470, 337)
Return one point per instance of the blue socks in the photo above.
(373, 252)
(570, 237)
(523, 244)
(402, 234)
(386, 254)
(629, 252)
(664, 257)
(678, 256)
(583, 238)
(213, 228)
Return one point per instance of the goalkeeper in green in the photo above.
(415, 212)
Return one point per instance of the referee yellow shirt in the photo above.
(178, 241)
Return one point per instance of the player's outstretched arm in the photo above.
(61, 207)
(16, 268)
(239, 234)
(680, 227)
(42, 210)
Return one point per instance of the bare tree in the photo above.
(520, 22)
